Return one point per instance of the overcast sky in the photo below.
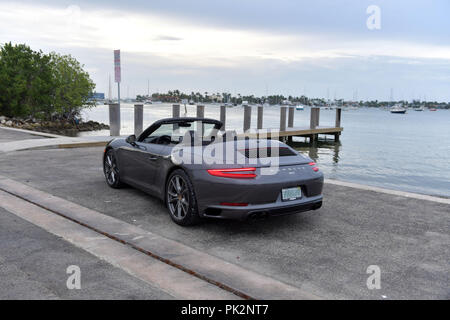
(319, 48)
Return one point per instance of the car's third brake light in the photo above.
(239, 173)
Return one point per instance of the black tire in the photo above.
(180, 199)
(111, 170)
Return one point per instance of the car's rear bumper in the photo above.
(259, 196)
(277, 208)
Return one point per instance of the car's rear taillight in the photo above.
(234, 204)
(238, 173)
(314, 168)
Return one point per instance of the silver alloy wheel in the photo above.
(178, 197)
(110, 169)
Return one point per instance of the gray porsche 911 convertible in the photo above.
(201, 171)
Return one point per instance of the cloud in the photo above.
(171, 43)
(169, 38)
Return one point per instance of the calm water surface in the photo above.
(409, 152)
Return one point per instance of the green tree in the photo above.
(72, 87)
(25, 81)
(34, 84)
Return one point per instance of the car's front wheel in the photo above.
(111, 170)
(180, 199)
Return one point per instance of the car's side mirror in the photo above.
(131, 139)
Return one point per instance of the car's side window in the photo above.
(163, 130)
(173, 133)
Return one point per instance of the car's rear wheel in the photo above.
(111, 170)
(180, 199)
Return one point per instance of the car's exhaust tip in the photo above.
(258, 215)
(317, 205)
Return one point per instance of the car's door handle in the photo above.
(153, 158)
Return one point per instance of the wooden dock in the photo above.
(286, 130)
(287, 134)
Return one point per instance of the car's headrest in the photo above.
(229, 135)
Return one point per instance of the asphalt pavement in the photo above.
(325, 252)
(33, 265)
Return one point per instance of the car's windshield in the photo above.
(174, 133)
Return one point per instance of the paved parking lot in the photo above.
(33, 265)
(325, 252)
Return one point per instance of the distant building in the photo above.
(215, 97)
(97, 96)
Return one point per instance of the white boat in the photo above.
(299, 107)
(332, 106)
(398, 109)
(419, 109)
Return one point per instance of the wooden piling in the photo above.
(291, 117)
(175, 111)
(114, 119)
(247, 117)
(318, 117)
(314, 118)
(200, 111)
(337, 136)
(338, 117)
(282, 119)
(260, 117)
(223, 113)
(138, 119)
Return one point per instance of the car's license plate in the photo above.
(291, 193)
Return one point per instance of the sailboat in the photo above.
(398, 108)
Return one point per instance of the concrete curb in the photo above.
(233, 278)
(50, 143)
(388, 191)
(47, 143)
(35, 133)
(82, 144)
